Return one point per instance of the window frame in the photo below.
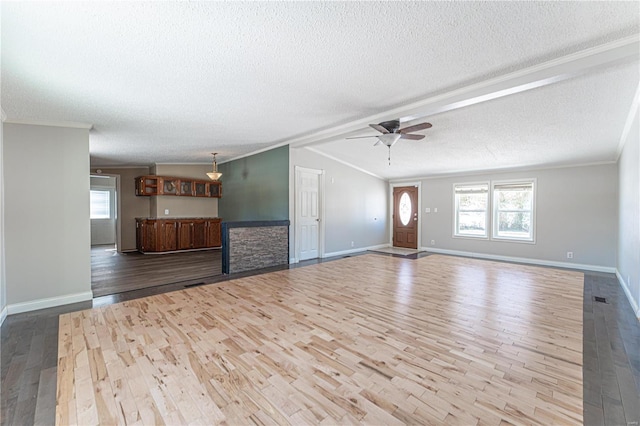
(487, 211)
(495, 212)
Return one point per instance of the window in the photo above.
(513, 210)
(471, 202)
(100, 204)
(405, 209)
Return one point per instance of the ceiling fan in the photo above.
(392, 133)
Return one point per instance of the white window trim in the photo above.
(494, 207)
(487, 223)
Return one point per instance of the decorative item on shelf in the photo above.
(215, 174)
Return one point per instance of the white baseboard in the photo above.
(354, 250)
(625, 287)
(49, 302)
(3, 314)
(293, 260)
(542, 262)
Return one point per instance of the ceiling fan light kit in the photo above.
(389, 139)
(215, 174)
(392, 133)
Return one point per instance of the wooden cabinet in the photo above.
(215, 189)
(146, 236)
(161, 235)
(147, 185)
(184, 187)
(168, 232)
(214, 233)
(185, 235)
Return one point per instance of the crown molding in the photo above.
(258, 151)
(129, 166)
(184, 164)
(463, 173)
(331, 157)
(51, 123)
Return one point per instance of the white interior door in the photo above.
(307, 212)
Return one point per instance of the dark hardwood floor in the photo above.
(611, 363)
(113, 272)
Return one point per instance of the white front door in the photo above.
(307, 212)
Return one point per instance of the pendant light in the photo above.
(215, 174)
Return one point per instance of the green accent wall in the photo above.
(256, 187)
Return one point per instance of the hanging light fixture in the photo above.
(215, 174)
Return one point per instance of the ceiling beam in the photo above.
(625, 50)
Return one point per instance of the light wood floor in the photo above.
(368, 339)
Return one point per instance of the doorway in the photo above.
(103, 210)
(308, 211)
(405, 227)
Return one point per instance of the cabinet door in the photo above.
(168, 186)
(199, 234)
(184, 235)
(150, 237)
(215, 189)
(168, 235)
(200, 189)
(140, 236)
(214, 236)
(186, 187)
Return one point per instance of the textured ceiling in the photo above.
(173, 81)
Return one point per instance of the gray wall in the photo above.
(184, 206)
(47, 236)
(356, 203)
(256, 187)
(3, 283)
(629, 216)
(576, 210)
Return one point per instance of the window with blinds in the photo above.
(513, 210)
(471, 204)
(100, 204)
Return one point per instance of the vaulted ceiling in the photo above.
(505, 84)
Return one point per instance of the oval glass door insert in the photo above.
(405, 208)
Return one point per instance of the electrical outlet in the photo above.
(166, 211)
(427, 210)
(569, 255)
(433, 242)
(435, 210)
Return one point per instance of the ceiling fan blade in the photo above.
(361, 137)
(412, 137)
(379, 128)
(378, 142)
(415, 128)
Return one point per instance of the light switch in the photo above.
(435, 210)
(166, 211)
(427, 210)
